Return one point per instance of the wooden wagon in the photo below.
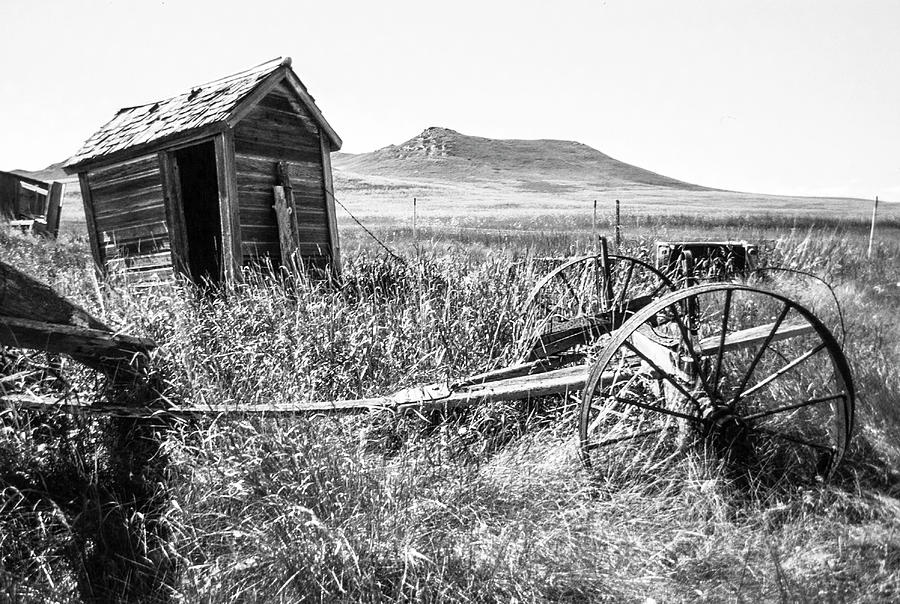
(654, 363)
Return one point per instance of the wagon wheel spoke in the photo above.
(783, 370)
(657, 409)
(669, 378)
(761, 351)
(721, 352)
(595, 424)
(791, 438)
(568, 285)
(812, 401)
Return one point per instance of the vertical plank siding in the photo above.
(232, 254)
(280, 129)
(129, 215)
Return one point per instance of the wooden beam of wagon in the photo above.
(556, 382)
(36, 402)
(748, 337)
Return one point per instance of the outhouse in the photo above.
(191, 183)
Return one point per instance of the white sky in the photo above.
(790, 96)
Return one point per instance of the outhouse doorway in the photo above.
(198, 190)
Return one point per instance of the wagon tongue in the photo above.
(421, 394)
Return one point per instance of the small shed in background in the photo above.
(31, 203)
(189, 183)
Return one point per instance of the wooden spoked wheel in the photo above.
(584, 295)
(750, 373)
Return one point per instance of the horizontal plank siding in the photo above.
(125, 171)
(279, 129)
(130, 218)
(144, 180)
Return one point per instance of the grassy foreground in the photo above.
(487, 505)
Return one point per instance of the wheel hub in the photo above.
(724, 426)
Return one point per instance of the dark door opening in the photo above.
(199, 186)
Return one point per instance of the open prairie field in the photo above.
(469, 181)
(488, 504)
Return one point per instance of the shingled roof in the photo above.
(203, 106)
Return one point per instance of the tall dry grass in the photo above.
(483, 505)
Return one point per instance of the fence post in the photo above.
(872, 231)
(618, 229)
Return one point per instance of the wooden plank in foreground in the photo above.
(26, 298)
(115, 354)
(33, 315)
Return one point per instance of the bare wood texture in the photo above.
(88, 203)
(9, 193)
(277, 144)
(328, 185)
(284, 179)
(228, 206)
(179, 246)
(250, 101)
(54, 207)
(286, 235)
(297, 86)
(130, 213)
(752, 336)
(114, 354)
(26, 298)
(32, 315)
(233, 197)
(435, 396)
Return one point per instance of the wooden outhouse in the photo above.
(189, 183)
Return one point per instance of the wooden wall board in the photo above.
(179, 245)
(279, 129)
(328, 187)
(96, 252)
(128, 212)
(228, 206)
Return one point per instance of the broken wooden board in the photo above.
(26, 298)
(34, 316)
(115, 354)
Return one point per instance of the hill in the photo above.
(465, 178)
(446, 155)
(50, 173)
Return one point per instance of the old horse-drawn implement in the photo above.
(690, 349)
